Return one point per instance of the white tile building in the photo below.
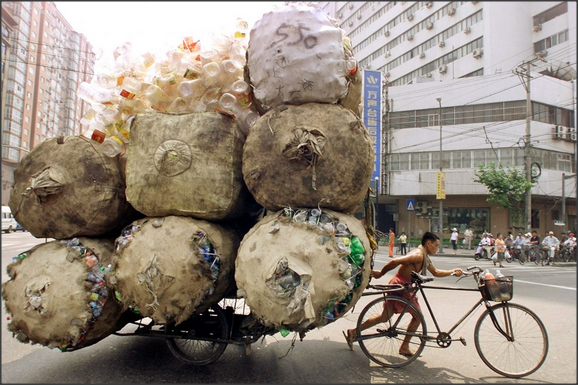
(473, 56)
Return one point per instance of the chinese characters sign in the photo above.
(372, 114)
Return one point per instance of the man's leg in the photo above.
(383, 317)
(404, 349)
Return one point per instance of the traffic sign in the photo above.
(410, 204)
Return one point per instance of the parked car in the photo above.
(19, 227)
(8, 221)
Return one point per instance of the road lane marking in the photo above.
(545, 284)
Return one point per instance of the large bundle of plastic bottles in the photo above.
(193, 77)
(305, 155)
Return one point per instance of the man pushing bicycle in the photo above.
(417, 260)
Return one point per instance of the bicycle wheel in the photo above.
(212, 323)
(526, 351)
(382, 341)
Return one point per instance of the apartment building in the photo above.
(484, 68)
(43, 62)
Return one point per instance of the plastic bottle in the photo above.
(159, 100)
(113, 145)
(228, 102)
(95, 134)
(178, 105)
(129, 88)
(242, 92)
(86, 92)
(492, 288)
(210, 74)
(168, 83)
(503, 286)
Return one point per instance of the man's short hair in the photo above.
(428, 236)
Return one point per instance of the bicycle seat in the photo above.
(416, 277)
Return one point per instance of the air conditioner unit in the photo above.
(410, 37)
(422, 55)
(478, 52)
(451, 11)
(350, 23)
(410, 17)
(359, 17)
(428, 75)
(387, 54)
(386, 33)
(386, 74)
(467, 30)
(350, 5)
(340, 16)
(421, 207)
(537, 27)
(560, 132)
(443, 69)
(571, 134)
(368, 66)
(429, 26)
(442, 43)
(542, 54)
(429, 4)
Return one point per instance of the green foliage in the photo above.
(507, 187)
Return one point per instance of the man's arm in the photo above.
(414, 257)
(443, 273)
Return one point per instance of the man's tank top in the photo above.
(426, 260)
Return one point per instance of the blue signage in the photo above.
(372, 112)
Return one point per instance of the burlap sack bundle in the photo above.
(59, 294)
(303, 268)
(188, 165)
(166, 268)
(309, 155)
(65, 188)
(297, 54)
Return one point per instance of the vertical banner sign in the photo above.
(372, 115)
(441, 185)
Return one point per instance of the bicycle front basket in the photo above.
(499, 290)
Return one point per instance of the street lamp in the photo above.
(441, 212)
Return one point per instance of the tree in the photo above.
(507, 187)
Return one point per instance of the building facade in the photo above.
(502, 77)
(44, 63)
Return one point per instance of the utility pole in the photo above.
(527, 154)
(441, 194)
(524, 75)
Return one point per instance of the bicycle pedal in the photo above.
(463, 341)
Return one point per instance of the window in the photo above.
(462, 218)
(551, 13)
(28, 95)
(28, 107)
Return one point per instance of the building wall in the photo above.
(48, 62)
(467, 54)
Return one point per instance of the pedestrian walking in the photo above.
(454, 239)
(391, 242)
(468, 236)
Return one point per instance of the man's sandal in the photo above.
(349, 339)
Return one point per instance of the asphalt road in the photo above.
(322, 356)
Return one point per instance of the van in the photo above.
(8, 220)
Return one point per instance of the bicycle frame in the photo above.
(418, 287)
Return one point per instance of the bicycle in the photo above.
(534, 254)
(509, 338)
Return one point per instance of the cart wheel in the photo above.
(210, 324)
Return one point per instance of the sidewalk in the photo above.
(449, 252)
